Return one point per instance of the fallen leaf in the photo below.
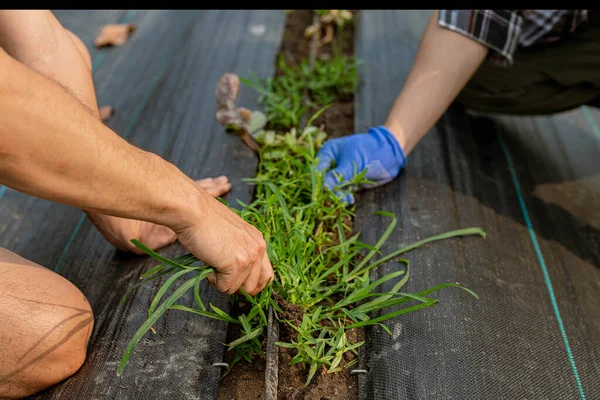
(227, 91)
(234, 119)
(106, 112)
(245, 113)
(114, 34)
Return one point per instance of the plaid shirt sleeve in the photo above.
(499, 30)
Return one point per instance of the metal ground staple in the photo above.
(272, 363)
(221, 365)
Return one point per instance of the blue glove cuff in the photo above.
(383, 133)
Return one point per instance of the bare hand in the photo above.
(236, 249)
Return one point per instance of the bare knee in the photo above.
(46, 324)
(81, 48)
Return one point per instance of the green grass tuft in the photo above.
(317, 261)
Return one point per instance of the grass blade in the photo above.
(246, 337)
(163, 289)
(385, 317)
(380, 242)
(447, 235)
(155, 255)
(151, 320)
(204, 313)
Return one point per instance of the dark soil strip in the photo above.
(339, 117)
(245, 380)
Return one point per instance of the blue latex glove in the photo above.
(377, 150)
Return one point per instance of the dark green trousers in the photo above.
(544, 79)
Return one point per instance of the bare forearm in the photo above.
(444, 64)
(52, 147)
(36, 39)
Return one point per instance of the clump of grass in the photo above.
(321, 267)
(282, 96)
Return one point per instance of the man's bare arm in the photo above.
(36, 39)
(445, 62)
(52, 147)
(46, 151)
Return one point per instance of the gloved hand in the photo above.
(378, 151)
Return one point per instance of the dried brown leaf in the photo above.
(114, 34)
(227, 91)
(245, 114)
(233, 118)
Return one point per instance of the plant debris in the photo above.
(114, 34)
(328, 20)
(283, 95)
(240, 122)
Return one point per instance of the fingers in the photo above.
(266, 275)
(347, 198)
(332, 180)
(246, 269)
(251, 283)
(326, 156)
(251, 278)
(215, 186)
(338, 176)
(230, 281)
(209, 182)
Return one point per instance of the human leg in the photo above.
(45, 328)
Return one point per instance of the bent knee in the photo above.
(81, 48)
(46, 325)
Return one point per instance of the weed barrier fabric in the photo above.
(86, 24)
(511, 343)
(173, 62)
